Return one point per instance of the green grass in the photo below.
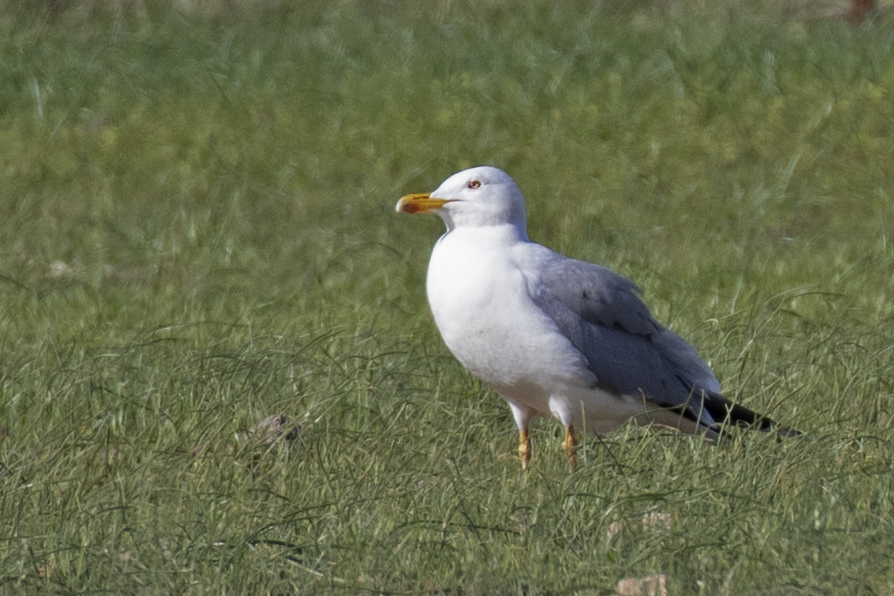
(197, 232)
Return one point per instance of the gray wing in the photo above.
(627, 350)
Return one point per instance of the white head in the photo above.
(482, 196)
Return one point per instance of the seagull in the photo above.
(554, 336)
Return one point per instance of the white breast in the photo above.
(479, 298)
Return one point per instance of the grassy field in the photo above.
(197, 233)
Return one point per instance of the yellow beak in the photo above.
(419, 203)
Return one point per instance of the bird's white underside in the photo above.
(480, 297)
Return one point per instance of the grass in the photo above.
(197, 232)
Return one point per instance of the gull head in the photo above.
(477, 197)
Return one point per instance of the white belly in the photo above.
(480, 302)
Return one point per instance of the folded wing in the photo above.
(627, 350)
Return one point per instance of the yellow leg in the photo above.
(569, 445)
(524, 448)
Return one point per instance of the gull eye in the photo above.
(473, 184)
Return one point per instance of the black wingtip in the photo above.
(736, 415)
